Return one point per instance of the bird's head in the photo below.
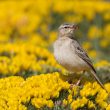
(67, 29)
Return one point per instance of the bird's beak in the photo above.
(75, 27)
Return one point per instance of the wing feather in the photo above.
(83, 55)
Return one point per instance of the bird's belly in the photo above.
(69, 60)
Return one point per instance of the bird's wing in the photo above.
(82, 54)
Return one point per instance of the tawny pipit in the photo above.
(70, 54)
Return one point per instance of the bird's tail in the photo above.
(97, 79)
(93, 71)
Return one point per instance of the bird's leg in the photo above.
(70, 81)
(78, 82)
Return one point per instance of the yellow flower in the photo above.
(106, 16)
(101, 98)
(50, 103)
(73, 91)
(102, 63)
(65, 102)
(106, 31)
(108, 107)
(90, 89)
(104, 43)
(52, 37)
(102, 95)
(107, 86)
(102, 104)
(79, 103)
(93, 53)
(91, 104)
(38, 102)
(94, 32)
(39, 89)
(70, 98)
(86, 45)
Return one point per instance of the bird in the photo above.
(69, 53)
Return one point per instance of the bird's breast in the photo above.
(67, 56)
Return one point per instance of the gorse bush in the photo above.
(50, 91)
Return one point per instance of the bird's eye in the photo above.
(65, 27)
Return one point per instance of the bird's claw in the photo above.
(77, 84)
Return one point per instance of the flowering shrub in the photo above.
(50, 91)
(20, 60)
(30, 77)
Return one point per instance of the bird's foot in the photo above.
(76, 84)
